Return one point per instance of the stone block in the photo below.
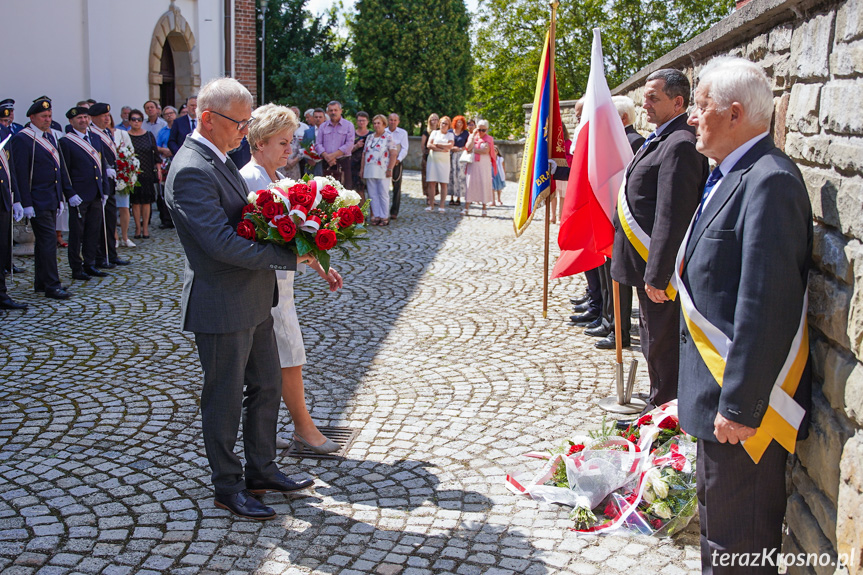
(810, 47)
(780, 117)
(828, 252)
(821, 508)
(803, 525)
(829, 304)
(812, 149)
(790, 545)
(803, 108)
(850, 505)
(849, 21)
(780, 38)
(821, 452)
(847, 59)
(855, 315)
(853, 393)
(841, 376)
(839, 113)
(846, 153)
(756, 49)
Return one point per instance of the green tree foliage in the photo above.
(306, 58)
(634, 33)
(412, 57)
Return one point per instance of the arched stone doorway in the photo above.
(175, 73)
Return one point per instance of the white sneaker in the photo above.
(116, 243)
(129, 244)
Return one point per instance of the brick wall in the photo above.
(812, 51)
(246, 58)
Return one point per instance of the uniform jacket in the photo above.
(89, 177)
(229, 282)
(49, 182)
(663, 189)
(746, 266)
(8, 186)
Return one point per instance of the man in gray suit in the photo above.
(741, 277)
(228, 290)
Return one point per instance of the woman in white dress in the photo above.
(270, 138)
(440, 142)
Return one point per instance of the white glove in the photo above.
(75, 201)
(552, 166)
(112, 173)
(29, 212)
(104, 200)
(17, 211)
(61, 209)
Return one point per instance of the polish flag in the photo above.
(599, 161)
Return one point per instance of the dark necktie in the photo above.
(711, 182)
(233, 168)
(649, 139)
(192, 122)
(87, 138)
(50, 138)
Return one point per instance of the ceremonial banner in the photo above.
(602, 153)
(535, 183)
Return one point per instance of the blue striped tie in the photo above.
(649, 139)
(711, 182)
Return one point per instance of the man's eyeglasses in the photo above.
(240, 125)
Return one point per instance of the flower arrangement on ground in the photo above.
(128, 167)
(310, 216)
(641, 478)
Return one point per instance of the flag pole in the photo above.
(554, 4)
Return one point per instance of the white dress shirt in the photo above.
(197, 136)
(730, 161)
(400, 138)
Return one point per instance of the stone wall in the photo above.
(812, 50)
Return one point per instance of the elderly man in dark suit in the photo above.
(662, 190)
(228, 290)
(742, 282)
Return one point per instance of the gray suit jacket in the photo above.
(229, 282)
(746, 267)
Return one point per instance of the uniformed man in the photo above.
(42, 180)
(100, 117)
(7, 119)
(82, 152)
(9, 204)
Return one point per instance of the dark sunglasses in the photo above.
(136, 119)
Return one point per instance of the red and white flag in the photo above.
(601, 155)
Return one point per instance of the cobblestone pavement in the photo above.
(436, 349)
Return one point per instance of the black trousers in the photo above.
(594, 291)
(607, 287)
(5, 240)
(242, 380)
(45, 274)
(740, 507)
(659, 329)
(109, 228)
(164, 214)
(85, 231)
(397, 189)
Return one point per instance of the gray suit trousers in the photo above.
(242, 378)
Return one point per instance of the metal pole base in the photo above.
(611, 403)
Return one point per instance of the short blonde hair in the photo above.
(270, 119)
(380, 117)
(448, 121)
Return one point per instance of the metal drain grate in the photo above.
(344, 436)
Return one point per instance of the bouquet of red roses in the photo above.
(310, 216)
(128, 168)
(309, 151)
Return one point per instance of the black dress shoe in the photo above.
(242, 504)
(609, 343)
(15, 270)
(623, 424)
(594, 324)
(579, 300)
(59, 293)
(80, 275)
(105, 265)
(7, 302)
(91, 270)
(581, 308)
(279, 483)
(598, 331)
(119, 262)
(584, 319)
(166, 226)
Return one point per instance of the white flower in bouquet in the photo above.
(349, 198)
(252, 197)
(661, 509)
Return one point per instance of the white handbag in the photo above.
(466, 157)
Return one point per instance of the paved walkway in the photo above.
(436, 349)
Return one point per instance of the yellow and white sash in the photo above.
(4, 161)
(783, 416)
(637, 236)
(49, 147)
(86, 146)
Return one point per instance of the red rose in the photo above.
(575, 449)
(657, 524)
(273, 209)
(287, 229)
(645, 420)
(300, 187)
(632, 438)
(326, 239)
(248, 209)
(346, 217)
(301, 198)
(264, 198)
(670, 422)
(329, 194)
(246, 229)
(611, 510)
(358, 214)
